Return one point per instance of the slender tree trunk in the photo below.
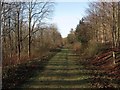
(41, 33)
(18, 34)
(4, 46)
(0, 34)
(29, 38)
(96, 30)
(16, 44)
(119, 24)
(113, 34)
(10, 45)
(21, 42)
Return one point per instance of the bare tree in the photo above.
(37, 12)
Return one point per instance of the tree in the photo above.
(71, 37)
(20, 21)
(82, 31)
(37, 11)
(101, 25)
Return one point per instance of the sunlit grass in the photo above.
(65, 71)
(61, 71)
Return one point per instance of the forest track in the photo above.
(62, 71)
(65, 70)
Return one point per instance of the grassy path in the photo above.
(62, 71)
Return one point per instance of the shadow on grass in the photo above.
(16, 76)
(61, 82)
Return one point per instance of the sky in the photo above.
(67, 15)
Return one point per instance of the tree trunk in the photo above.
(10, 45)
(0, 34)
(29, 38)
(113, 34)
(119, 24)
(18, 33)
